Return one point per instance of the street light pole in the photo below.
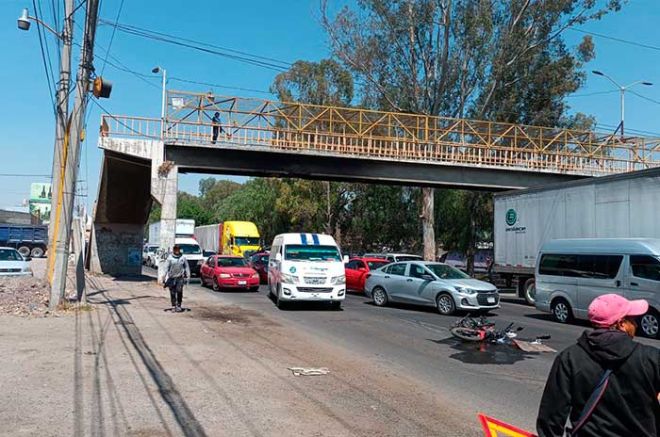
(622, 91)
(163, 104)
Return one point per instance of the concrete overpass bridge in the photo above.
(143, 157)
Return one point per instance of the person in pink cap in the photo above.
(606, 385)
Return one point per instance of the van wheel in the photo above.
(280, 303)
(561, 311)
(529, 291)
(445, 304)
(37, 252)
(24, 251)
(649, 324)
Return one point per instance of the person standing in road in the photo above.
(215, 121)
(606, 385)
(177, 271)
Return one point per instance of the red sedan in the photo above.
(357, 270)
(226, 271)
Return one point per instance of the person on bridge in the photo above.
(216, 126)
(177, 271)
(607, 385)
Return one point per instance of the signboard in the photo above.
(497, 428)
(39, 204)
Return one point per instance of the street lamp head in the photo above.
(155, 70)
(647, 83)
(598, 73)
(24, 20)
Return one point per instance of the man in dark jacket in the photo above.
(629, 403)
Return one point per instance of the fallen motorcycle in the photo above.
(483, 330)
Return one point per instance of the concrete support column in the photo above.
(164, 188)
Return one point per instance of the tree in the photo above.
(320, 83)
(504, 61)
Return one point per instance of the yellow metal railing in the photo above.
(365, 133)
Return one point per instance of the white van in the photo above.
(306, 267)
(191, 249)
(572, 273)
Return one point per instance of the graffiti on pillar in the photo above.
(134, 256)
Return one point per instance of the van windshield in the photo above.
(246, 241)
(301, 252)
(190, 249)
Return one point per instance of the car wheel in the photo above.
(445, 304)
(561, 311)
(649, 324)
(379, 296)
(37, 252)
(216, 286)
(24, 251)
(529, 291)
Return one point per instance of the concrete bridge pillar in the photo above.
(164, 188)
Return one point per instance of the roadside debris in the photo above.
(24, 296)
(309, 371)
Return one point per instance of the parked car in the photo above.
(572, 273)
(149, 255)
(259, 262)
(431, 284)
(13, 263)
(394, 257)
(229, 272)
(357, 270)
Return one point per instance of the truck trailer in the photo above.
(229, 238)
(28, 240)
(618, 206)
(184, 238)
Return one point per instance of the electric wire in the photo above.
(112, 36)
(621, 40)
(45, 63)
(214, 85)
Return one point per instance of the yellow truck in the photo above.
(229, 238)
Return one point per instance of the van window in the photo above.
(645, 267)
(304, 252)
(581, 266)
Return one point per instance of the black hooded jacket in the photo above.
(629, 406)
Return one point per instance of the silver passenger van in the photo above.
(572, 273)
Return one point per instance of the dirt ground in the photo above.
(126, 367)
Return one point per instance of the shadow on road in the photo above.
(484, 353)
(305, 306)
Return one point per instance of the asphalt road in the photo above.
(496, 379)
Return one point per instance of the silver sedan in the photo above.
(431, 284)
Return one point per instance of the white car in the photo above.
(12, 263)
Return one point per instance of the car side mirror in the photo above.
(362, 269)
(278, 257)
(346, 259)
(428, 278)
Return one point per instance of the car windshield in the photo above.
(231, 262)
(376, 264)
(301, 252)
(190, 249)
(10, 255)
(246, 241)
(153, 248)
(408, 258)
(443, 271)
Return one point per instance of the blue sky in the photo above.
(286, 30)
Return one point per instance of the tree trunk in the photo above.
(428, 222)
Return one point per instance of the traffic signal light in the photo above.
(102, 88)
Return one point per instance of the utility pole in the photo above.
(61, 121)
(67, 189)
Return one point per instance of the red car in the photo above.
(357, 270)
(259, 262)
(227, 271)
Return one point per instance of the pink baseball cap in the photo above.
(608, 309)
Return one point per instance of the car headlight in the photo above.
(338, 280)
(289, 279)
(225, 276)
(465, 290)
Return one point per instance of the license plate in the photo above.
(242, 282)
(491, 300)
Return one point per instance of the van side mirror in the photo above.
(345, 259)
(278, 257)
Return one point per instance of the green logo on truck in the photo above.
(511, 217)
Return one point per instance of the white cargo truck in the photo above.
(184, 238)
(618, 206)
